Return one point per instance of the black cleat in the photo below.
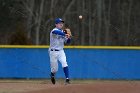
(52, 78)
(67, 81)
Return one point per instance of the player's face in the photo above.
(60, 25)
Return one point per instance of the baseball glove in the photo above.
(67, 31)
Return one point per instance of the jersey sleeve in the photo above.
(67, 40)
(57, 32)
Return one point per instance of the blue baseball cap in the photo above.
(58, 20)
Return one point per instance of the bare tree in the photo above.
(90, 24)
(99, 17)
(29, 6)
(107, 22)
(129, 20)
(82, 24)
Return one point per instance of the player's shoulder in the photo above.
(56, 29)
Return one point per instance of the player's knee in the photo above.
(64, 64)
(54, 70)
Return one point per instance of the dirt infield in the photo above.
(75, 87)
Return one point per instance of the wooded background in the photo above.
(105, 22)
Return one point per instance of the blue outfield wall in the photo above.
(83, 63)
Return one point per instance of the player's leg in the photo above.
(53, 65)
(62, 59)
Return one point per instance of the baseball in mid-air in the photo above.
(80, 16)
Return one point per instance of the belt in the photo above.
(54, 50)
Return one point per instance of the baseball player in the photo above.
(57, 39)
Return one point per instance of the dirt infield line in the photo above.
(77, 86)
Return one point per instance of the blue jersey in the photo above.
(57, 39)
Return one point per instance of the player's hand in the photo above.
(68, 35)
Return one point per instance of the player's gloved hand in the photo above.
(67, 35)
